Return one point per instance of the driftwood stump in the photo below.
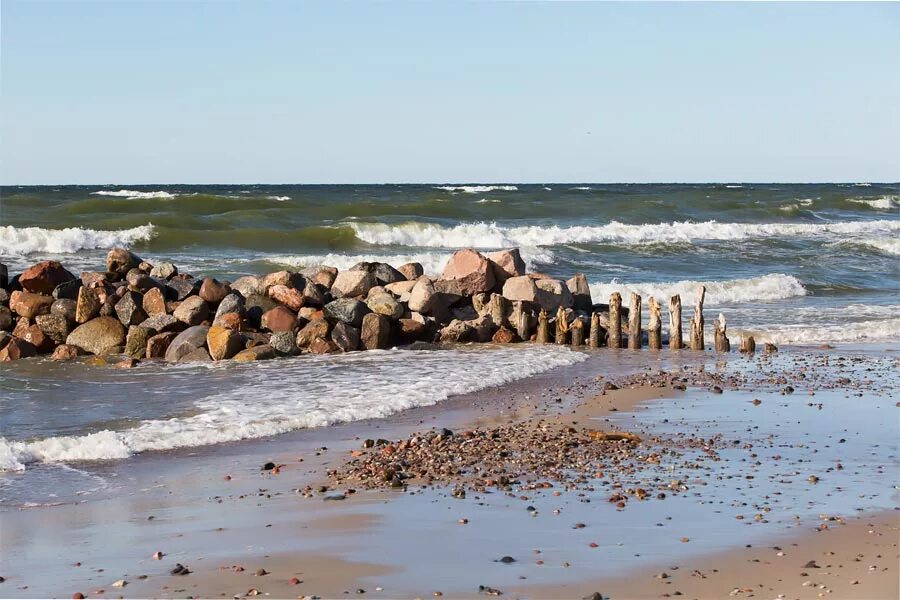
(721, 340)
(634, 322)
(562, 327)
(594, 336)
(697, 320)
(654, 325)
(543, 328)
(577, 329)
(675, 341)
(614, 335)
(748, 344)
(521, 321)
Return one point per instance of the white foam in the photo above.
(334, 389)
(885, 245)
(734, 187)
(477, 189)
(17, 241)
(488, 201)
(774, 286)
(134, 195)
(491, 235)
(859, 331)
(279, 198)
(883, 203)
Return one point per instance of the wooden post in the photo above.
(562, 327)
(594, 339)
(697, 320)
(634, 322)
(577, 329)
(675, 341)
(721, 340)
(748, 344)
(654, 325)
(522, 321)
(543, 328)
(499, 308)
(614, 335)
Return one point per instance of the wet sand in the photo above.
(224, 518)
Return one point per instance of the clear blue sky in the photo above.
(242, 92)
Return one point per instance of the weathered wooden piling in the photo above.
(748, 344)
(543, 328)
(562, 327)
(498, 307)
(614, 333)
(577, 329)
(521, 320)
(634, 322)
(721, 339)
(675, 341)
(654, 325)
(697, 320)
(594, 336)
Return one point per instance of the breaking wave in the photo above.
(18, 241)
(859, 331)
(477, 189)
(774, 286)
(882, 203)
(492, 235)
(134, 195)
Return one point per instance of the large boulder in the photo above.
(43, 277)
(314, 294)
(213, 290)
(553, 293)
(136, 341)
(56, 327)
(64, 308)
(401, 289)
(247, 285)
(383, 272)
(457, 331)
(163, 270)
(521, 289)
(87, 305)
(41, 341)
(345, 336)
(232, 303)
(138, 281)
(385, 304)
(411, 270)
(67, 289)
(119, 261)
(129, 309)
(16, 349)
(180, 288)
(192, 311)
(223, 343)
(506, 264)
(422, 296)
(284, 343)
(323, 276)
(375, 332)
(346, 310)
(279, 319)
(412, 330)
(581, 292)
(186, 342)
(158, 344)
(163, 324)
(254, 353)
(154, 302)
(6, 319)
(316, 328)
(255, 305)
(29, 305)
(471, 270)
(352, 284)
(290, 297)
(98, 336)
(285, 278)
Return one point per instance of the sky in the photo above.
(333, 92)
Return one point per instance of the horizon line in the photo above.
(861, 183)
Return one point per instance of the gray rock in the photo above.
(457, 331)
(164, 270)
(581, 292)
(315, 294)
(232, 303)
(385, 304)
(4, 297)
(551, 294)
(247, 286)
(383, 272)
(98, 336)
(255, 306)
(68, 290)
(345, 336)
(163, 324)
(186, 342)
(136, 341)
(129, 309)
(192, 311)
(179, 289)
(284, 343)
(139, 281)
(65, 308)
(346, 310)
(352, 284)
(55, 327)
(198, 355)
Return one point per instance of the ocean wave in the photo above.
(882, 203)
(279, 198)
(354, 389)
(774, 286)
(488, 201)
(133, 194)
(883, 245)
(18, 241)
(491, 235)
(477, 189)
(848, 332)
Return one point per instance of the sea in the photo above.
(797, 265)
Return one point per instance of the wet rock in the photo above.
(6, 319)
(346, 310)
(198, 355)
(284, 343)
(187, 341)
(4, 276)
(56, 327)
(42, 342)
(247, 286)
(98, 336)
(129, 309)
(87, 305)
(352, 284)
(279, 319)
(383, 272)
(192, 311)
(136, 341)
(29, 305)
(289, 297)
(162, 323)
(179, 569)
(505, 336)
(223, 343)
(411, 330)
(213, 290)
(261, 352)
(506, 264)
(17, 348)
(375, 332)
(316, 328)
(411, 270)
(322, 346)
(581, 293)
(64, 352)
(457, 331)
(345, 337)
(164, 270)
(65, 308)
(255, 305)
(158, 344)
(67, 290)
(119, 261)
(44, 277)
(471, 271)
(385, 304)
(153, 302)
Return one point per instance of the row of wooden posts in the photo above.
(574, 333)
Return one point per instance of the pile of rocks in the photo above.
(153, 311)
